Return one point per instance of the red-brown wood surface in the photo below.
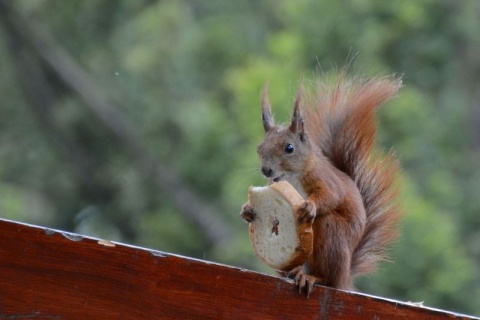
(47, 274)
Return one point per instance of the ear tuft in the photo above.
(267, 118)
(298, 125)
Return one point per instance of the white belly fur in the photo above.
(297, 185)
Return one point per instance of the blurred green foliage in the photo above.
(188, 74)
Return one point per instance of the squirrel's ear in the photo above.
(267, 118)
(298, 125)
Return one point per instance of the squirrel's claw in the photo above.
(247, 213)
(306, 212)
(303, 281)
(307, 281)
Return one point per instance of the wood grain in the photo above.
(49, 274)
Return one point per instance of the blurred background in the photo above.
(138, 121)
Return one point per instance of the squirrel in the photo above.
(327, 153)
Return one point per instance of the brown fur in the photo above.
(349, 188)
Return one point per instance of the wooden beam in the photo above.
(50, 274)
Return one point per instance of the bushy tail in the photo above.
(342, 116)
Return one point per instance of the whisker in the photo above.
(249, 175)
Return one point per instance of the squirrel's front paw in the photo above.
(247, 213)
(306, 212)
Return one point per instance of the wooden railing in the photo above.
(50, 274)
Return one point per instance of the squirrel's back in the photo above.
(341, 119)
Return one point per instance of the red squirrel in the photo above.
(327, 153)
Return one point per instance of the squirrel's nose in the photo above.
(267, 172)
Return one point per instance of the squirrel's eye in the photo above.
(289, 148)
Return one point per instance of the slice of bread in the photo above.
(276, 236)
